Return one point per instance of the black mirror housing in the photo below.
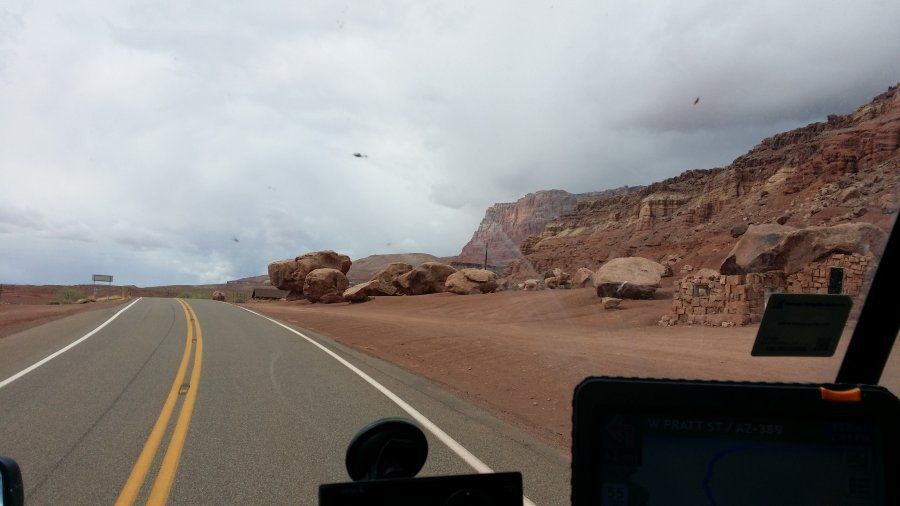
(11, 486)
(387, 448)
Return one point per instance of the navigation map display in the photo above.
(647, 460)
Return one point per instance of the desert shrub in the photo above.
(67, 295)
(195, 295)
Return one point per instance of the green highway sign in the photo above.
(103, 278)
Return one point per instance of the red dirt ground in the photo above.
(520, 354)
(18, 317)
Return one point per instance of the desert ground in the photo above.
(26, 306)
(517, 354)
(520, 354)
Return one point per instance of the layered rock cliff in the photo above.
(506, 224)
(843, 169)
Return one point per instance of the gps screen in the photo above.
(647, 460)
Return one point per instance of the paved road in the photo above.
(246, 411)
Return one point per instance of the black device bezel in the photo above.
(597, 396)
(416, 491)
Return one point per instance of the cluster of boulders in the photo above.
(321, 276)
(620, 278)
(430, 277)
(553, 279)
(472, 281)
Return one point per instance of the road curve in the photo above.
(270, 418)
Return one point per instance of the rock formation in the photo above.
(505, 225)
(374, 288)
(219, 296)
(845, 169)
(325, 285)
(365, 268)
(426, 278)
(628, 278)
(531, 285)
(291, 274)
(390, 273)
(582, 278)
(610, 302)
(357, 293)
(776, 247)
(471, 281)
(658, 206)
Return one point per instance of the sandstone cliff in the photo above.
(843, 169)
(505, 225)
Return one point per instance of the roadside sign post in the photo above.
(102, 278)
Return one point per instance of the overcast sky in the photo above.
(140, 139)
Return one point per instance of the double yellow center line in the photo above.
(159, 493)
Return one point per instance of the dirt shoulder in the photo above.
(520, 354)
(18, 317)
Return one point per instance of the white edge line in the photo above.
(442, 436)
(71, 345)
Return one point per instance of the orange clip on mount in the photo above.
(851, 395)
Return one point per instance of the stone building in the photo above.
(837, 273)
(710, 298)
(772, 258)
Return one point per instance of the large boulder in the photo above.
(610, 302)
(562, 276)
(557, 278)
(219, 296)
(325, 285)
(389, 273)
(582, 278)
(532, 285)
(426, 278)
(291, 274)
(753, 252)
(739, 230)
(776, 247)
(471, 281)
(628, 278)
(356, 293)
(374, 288)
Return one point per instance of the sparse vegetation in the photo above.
(195, 295)
(110, 297)
(67, 295)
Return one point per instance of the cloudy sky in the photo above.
(141, 139)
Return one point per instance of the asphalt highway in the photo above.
(200, 402)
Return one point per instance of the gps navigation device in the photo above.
(643, 441)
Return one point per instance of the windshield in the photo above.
(219, 222)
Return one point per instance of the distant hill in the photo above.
(252, 280)
(364, 268)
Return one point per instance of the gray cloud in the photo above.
(162, 132)
(16, 222)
